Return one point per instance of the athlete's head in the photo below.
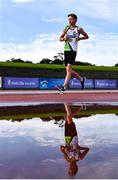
(72, 18)
(73, 168)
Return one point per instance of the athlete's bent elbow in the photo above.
(60, 39)
(87, 37)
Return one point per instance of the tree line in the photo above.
(58, 59)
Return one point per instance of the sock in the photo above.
(81, 79)
(64, 87)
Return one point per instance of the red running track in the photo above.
(69, 96)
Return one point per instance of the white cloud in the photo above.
(100, 49)
(44, 46)
(56, 160)
(103, 9)
(23, 1)
(99, 133)
(51, 20)
(41, 132)
(49, 134)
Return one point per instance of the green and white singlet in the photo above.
(72, 34)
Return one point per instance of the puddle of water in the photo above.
(59, 141)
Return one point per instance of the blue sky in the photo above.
(30, 29)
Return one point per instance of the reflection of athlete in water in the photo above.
(72, 151)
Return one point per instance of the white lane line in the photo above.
(55, 91)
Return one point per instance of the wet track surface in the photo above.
(32, 141)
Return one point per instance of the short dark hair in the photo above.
(73, 15)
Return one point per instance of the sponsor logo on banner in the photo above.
(89, 83)
(0, 82)
(17, 82)
(75, 83)
(50, 83)
(106, 84)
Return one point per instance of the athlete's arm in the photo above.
(83, 33)
(82, 152)
(63, 37)
(62, 148)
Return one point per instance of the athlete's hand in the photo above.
(78, 39)
(66, 38)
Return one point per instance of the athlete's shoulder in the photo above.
(67, 27)
(78, 27)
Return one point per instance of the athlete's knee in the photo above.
(74, 72)
(69, 68)
(69, 71)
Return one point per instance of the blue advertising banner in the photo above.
(19, 83)
(75, 83)
(110, 84)
(89, 83)
(50, 83)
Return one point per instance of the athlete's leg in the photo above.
(77, 75)
(81, 78)
(68, 75)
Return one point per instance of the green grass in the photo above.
(55, 66)
(56, 114)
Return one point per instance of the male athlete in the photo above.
(71, 36)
